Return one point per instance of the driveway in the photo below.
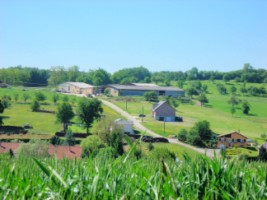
(138, 125)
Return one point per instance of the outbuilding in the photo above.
(138, 89)
(162, 111)
(76, 88)
(126, 125)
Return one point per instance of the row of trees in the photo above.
(55, 75)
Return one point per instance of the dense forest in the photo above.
(27, 76)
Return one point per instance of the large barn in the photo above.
(139, 90)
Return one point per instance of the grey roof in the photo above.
(80, 84)
(145, 84)
(149, 88)
(264, 145)
(157, 105)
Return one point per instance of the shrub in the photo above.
(36, 148)
(91, 145)
(35, 106)
(182, 135)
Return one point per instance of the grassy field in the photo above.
(217, 112)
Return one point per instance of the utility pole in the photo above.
(164, 126)
(126, 104)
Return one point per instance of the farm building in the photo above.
(162, 111)
(126, 125)
(76, 88)
(231, 140)
(138, 89)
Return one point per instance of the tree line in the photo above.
(27, 76)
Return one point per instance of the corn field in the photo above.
(128, 178)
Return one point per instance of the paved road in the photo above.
(138, 125)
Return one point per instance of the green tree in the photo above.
(16, 97)
(203, 99)
(2, 108)
(151, 96)
(88, 111)
(91, 145)
(182, 135)
(64, 114)
(55, 140)
(233, 89)
(39, 96)
(35, 105)
(232, 110)
(243, 90)
(226, 77)
(25, 96)
(233, 100)
(55, 98)
(70, 140)
(246, 107)
(200, 134)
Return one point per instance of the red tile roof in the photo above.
(59, 151)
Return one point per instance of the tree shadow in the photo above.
(208, 106)
(253, 115)
(4, 117)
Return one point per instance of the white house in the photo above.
(126, 125)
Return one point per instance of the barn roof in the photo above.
(148, 88)
(80, 84)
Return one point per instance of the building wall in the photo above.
(113, 91)
(174, 93)
(235, 139)
(165, 118)
(165, 113)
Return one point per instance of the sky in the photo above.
(159, 35)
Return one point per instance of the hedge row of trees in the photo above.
(55, 75)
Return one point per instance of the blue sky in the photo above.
(160, 35)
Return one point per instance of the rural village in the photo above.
(142, 100)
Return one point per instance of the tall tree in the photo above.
(246, 107)
(2, 108)
(203, 99)
(64, 114)
(88, 111)
(70, 140)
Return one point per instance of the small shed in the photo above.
(162, 111)
(126, 125)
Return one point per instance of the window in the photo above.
(222, 139)
(234, 140)
(241, 140)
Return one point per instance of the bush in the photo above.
(91, 145)
(182, 135)
(35, 106)
(36, 148)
